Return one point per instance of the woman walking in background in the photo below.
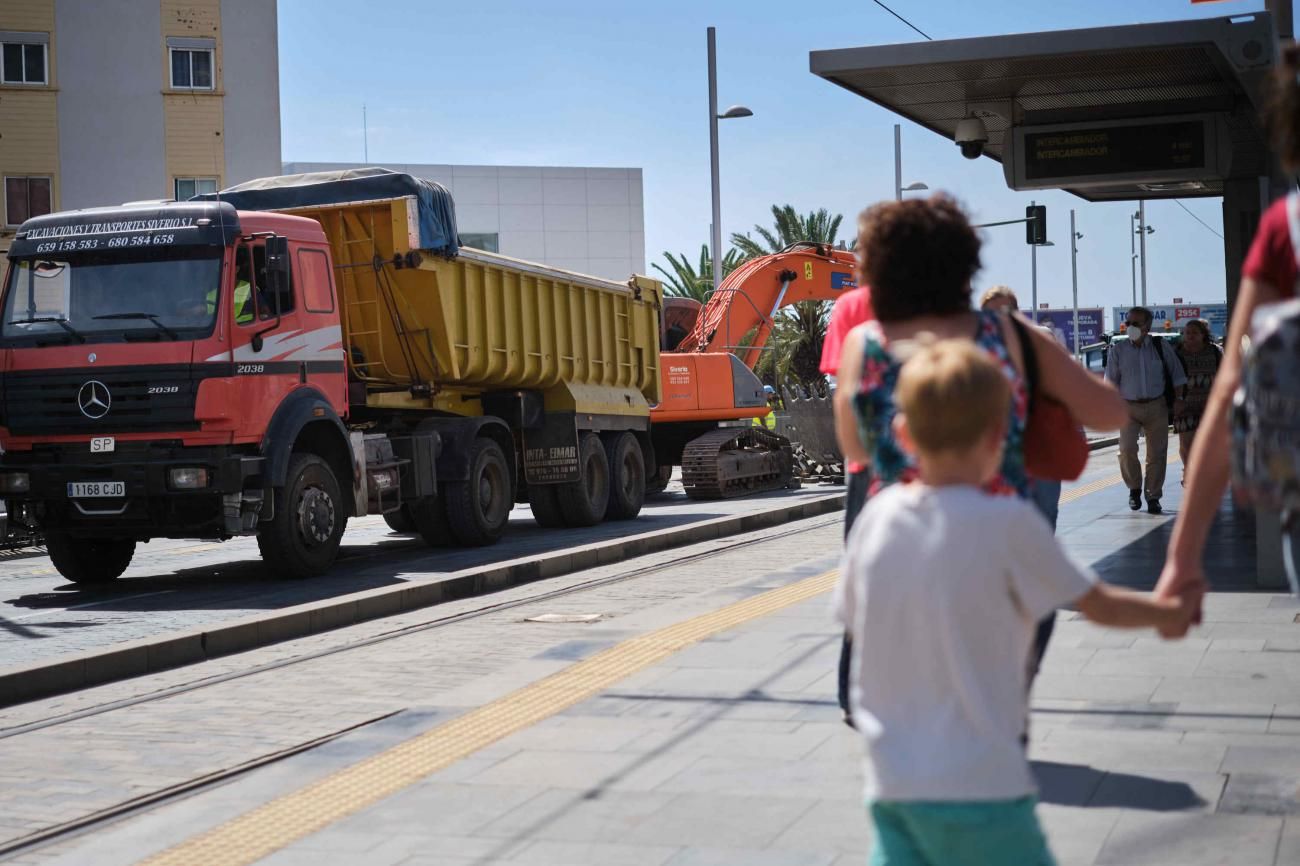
(1200, 359)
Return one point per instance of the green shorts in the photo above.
(971, 833)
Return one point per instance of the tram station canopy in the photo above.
(1168, 110)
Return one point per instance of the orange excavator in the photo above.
(710, 391)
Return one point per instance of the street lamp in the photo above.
(1142, 231)
(899, 189)
(732, 112)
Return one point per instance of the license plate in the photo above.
(102, 445)
(96, 489)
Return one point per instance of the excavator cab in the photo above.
(679, 316)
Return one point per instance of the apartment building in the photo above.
(106, 101)
(589, 220)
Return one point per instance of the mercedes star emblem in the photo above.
(94, 400)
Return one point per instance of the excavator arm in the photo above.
(750, 297)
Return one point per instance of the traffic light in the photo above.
(1036, 224)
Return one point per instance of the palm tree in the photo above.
(685, 280)
(819, 226)
(794, 347)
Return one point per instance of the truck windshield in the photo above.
(102, 297)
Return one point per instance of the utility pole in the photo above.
(1033, 277)
(898, 162)
(1132, 255)
(365, 135)
(1142, 243)
(1074, 278)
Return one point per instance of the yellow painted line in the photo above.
(1102, 483)
(270, 827)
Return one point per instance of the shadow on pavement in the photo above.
(1080, 785)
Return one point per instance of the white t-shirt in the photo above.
(941, 589)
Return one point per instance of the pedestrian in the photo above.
(1146, 371)
(1268, 275)
(850, 310)
(1200, 359)
(939, 690)
(919, 256)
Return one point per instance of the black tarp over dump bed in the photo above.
(437, 211)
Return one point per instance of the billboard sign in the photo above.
(1172, 317)
(1092, 323)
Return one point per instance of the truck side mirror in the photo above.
(277, 268)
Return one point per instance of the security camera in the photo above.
(971, 137)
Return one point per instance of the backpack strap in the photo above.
(1031, 359)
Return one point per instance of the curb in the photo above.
(151, 655)
(1098, 444)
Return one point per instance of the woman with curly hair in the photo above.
(919, 257)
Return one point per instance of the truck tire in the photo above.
(429, 518)
(583, 503)
(545, 502)
(89, 560)
(303, 538)
(479, 507)
(401, 520)
(658, 482)
(626, 477)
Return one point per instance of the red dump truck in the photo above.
(319, 349)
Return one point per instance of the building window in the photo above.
(23, 63)
(191, 68)
(26, 197)
(486, 241)
(188, 187)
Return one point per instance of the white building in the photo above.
(589, 220)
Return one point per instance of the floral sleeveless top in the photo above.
(874, 403)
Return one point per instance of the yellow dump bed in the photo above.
(427, 332)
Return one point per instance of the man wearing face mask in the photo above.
(1140, 367)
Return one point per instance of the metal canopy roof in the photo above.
(1066, 76)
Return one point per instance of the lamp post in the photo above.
(899, 189)
(714, 117)
(1143, 230)
(1074, 278)
(1132, 255)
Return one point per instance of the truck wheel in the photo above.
(400, 520)
(429, 518)
(89, 560)
(479, 507)
(626, 478)
(303, 538)
(583, 503)
(658, 482)
(545, 501)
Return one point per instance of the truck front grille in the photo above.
(72, 401)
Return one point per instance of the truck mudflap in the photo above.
(139, 493)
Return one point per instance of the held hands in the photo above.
(1182, 587)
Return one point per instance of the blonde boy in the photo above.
(942, 586)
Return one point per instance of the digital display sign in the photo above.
(1168, 146)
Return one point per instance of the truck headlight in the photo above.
(187, 478)
(15, 482)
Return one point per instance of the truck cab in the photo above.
(149, 355)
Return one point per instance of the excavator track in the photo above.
(736, 461)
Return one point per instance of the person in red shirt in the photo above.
(1269, 274)
(851, 310)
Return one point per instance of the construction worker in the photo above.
(243, 300)
(769, 420)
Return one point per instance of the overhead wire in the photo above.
(904, 20)
(1198, 219)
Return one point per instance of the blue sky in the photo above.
(614, 83)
